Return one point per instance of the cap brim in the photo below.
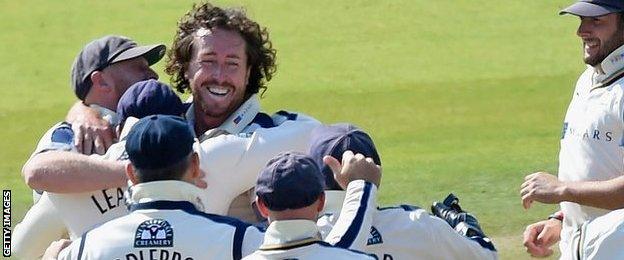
(152, 53)
(588, 10)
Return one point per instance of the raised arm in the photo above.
(360, 177)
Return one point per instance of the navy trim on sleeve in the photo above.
(404, 207)
(289, 116)
(263, 120)
(82, 244)
(349, 237)
(237, 244)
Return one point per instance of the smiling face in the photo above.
(600, 35)
(218, 76)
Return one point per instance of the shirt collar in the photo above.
(333, 201)
(165, 191)
(288, 233)
(611, 66)
(235, 123)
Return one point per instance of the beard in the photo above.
(609, 45)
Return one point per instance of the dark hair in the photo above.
(173, 172)
(258, 47)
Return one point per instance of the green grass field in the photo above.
(460, 96)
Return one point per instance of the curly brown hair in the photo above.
(258, 47)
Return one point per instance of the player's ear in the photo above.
(99, 80)
(131, 174)
(247, 76)
(321, 202)
(195, 171)
(264, 210)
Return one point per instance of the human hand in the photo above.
(55, 248)
(539, 237)
(354, 167)
(542, 187)
(92, 134)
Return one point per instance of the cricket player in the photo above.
(103, 70)
(290, 194)
(153, 198)
(166, 221)
(225, 59)
(401, 232)
(101, 73)
(590, 180)
(74, 213)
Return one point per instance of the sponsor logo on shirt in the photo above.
(375, 237)
(593, 134)
(154, 233)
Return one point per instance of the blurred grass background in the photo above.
(460, 96)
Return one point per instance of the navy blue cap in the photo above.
(148, 97)
(334, 140)
(594, 8)
(159, 141)
(105, 51)
(289, 181)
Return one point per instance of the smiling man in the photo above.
(224, 59)
(590, 182)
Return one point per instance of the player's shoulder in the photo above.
(59, 137)
(342, 253)
(401, 214)
(279, 118)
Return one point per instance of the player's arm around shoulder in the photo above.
(68, 172)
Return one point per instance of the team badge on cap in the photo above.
(154, 233)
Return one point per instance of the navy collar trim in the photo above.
(164, 205)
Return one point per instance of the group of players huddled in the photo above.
(135, 173)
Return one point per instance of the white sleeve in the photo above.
(353, 225)
(452, 245)
(232, 162)
(59, 137)
(40, 227)
(252, 241)
(601, 238)
(72, 251)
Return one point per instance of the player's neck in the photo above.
(204, 123)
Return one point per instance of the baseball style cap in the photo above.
(289, 181)
(148, 97)
(594, 8)
(334, 140)
(159, 141)
(105, 51)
